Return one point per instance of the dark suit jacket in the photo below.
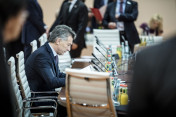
(42, 72)
(34, 26)
(154, 82)
(77, 19)
(130, 15)
(99, 3)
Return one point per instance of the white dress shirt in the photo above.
(72, 4)
(54, 52)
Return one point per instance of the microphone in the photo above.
(99, 61)
(100, 44)
(96, 66)
(101, 53)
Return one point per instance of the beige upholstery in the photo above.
(88, 94)
(11, 63)
(22, 76)
(43, 39)
(34, 45)
(107, 37)
(23, 106)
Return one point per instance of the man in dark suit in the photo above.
(121, 15)
(154, 82)
(41, 67)
(34, 26)
(75, 15)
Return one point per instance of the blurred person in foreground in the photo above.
(12, 17)
(155, 26)
(121, 15)
(154, 82)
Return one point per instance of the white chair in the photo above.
(23, 106)
(107, 37)
(23, 82)
(43, 39)
(64, 61)
(88, 94)
(152, 40)
(34, 45)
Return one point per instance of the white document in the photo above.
(120, 26)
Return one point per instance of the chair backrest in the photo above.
(43, 39)
(152, 40)
(34, 45)
(107, 37)
(11, 63)
(64, 61)
(22, 75)
(88, 94)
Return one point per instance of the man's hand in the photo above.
(116, 16)
(74, 46)
(112, 25)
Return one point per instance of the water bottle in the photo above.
(116, 91)
(123, 51)
(126, 50)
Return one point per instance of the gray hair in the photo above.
(62, 32)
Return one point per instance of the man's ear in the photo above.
(58, 40)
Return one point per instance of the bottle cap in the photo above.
(123, 85)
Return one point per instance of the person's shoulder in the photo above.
(132, 1)
(82, 4)
(41, 51)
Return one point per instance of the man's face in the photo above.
(64, 46)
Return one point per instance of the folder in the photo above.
(97, 14)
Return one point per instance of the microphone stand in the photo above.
(101, 53)
(96, 66)
(99, 60)
(100, 44)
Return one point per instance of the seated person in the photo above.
(41, 68)
(155, 26)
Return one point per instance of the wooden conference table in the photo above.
(121, 110)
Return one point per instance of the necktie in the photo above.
(56, 59)
(121, 7)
